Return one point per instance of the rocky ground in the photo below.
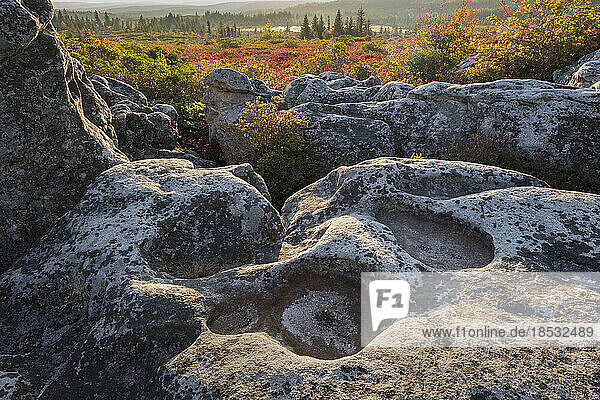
(130, 269)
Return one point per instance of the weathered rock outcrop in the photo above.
(350, 123)
(119, 323)
(333, 140)
(587, 75)
(225, 97)
(338, 139)
(141, 131)
(395, 196)
(55, 130)
(539, 116)
(97, 295)
(330, 88)
(584, 73)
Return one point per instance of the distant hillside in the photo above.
(403, 13)
(125, 9)
(390, 12)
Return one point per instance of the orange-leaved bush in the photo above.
(440, 43)
(532, 39)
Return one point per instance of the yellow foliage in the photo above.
(263, 125)
(534, 38)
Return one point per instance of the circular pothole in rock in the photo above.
(438, 241)
(317, 316)
(321, 321)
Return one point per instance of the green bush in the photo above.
(229, 43)
(361, 71)
(278, 147)
(373, 48)
(193, 131)
(440, 43)
(331, 56)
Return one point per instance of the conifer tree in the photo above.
(305, 32)
(360, 21)
(338, 26)
(314, 26)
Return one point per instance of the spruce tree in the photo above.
(305, 29)
(315, 26)
(338, 26)
(360, 22)
(321, 27)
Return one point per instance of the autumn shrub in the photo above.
(440, 43)
(360, 71)
(161, 74)
(503, 151)
(373, 48)
(277, 146)
(331, 56)
(229, 43)
(532, 39)
(290, 44)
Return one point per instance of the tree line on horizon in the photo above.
(215, 24)
(318, 30)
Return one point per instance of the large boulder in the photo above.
(330, 88)
(359, 122)
(587, 75)
(97, 307)
(393, 215)
(142, 131)
(127, 297)
(537, 117)
(580, 73)
(227, 93)
(21, 24)
(56, 133)
(333, 140)
(540, 117)
(337, 139)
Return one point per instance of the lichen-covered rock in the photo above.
(422, 196)
(587, 75)
(566, 75)
(98, 296)
(21, 24)
(539, 116)
(393, 91)
(329, 88)
(225, 97)
(117, 324)
(141, 135)
(391, 215)
(114, 91)
(55, 130)
(333, 140)
(142, 131)
(336, 140)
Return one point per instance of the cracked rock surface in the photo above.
(56, 133)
